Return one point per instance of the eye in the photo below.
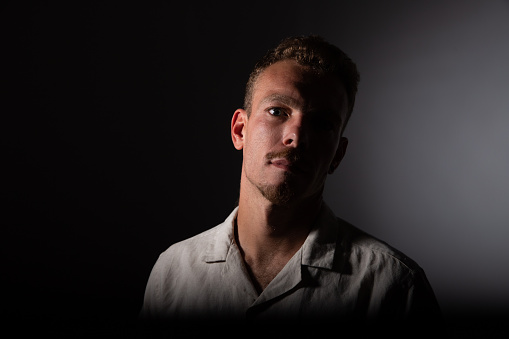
(277, 112)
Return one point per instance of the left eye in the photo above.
(277, 112)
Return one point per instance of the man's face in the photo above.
(291, 137)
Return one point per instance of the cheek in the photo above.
(263, 135)
(324, 158)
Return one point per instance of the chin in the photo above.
(282, 194)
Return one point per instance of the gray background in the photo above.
(116, 142)
(428, 165)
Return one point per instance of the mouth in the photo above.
(281, 163)
(285, 165)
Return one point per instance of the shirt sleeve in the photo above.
(422, 304)
(153, 293)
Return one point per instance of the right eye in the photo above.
(276, 111)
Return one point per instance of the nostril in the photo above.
(290, 139)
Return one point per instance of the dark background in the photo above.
(116, 143)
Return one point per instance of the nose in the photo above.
(294, 134)
(290, 139)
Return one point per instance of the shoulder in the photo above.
(209, 245)
(182, 267)
(194, 248)
(195, 242)
(367, 251)
(386, 270)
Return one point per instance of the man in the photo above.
(282, 254)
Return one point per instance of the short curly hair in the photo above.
(314, 52)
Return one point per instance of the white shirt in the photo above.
(339, 272)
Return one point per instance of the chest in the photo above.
(263, 271)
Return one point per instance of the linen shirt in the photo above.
(339, 272)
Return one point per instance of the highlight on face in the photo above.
(317, 54)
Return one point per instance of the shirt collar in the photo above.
(222, 239)
(318, 249)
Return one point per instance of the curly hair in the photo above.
(314, 52)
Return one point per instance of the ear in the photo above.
(340, 153)
(239, 121)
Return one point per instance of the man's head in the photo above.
(316, 53)
(298, 100)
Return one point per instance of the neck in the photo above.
(268, 234)
(264, 228)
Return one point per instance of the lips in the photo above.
(281, 163)
(286, 165)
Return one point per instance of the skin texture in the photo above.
(290, 142)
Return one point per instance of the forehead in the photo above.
(305, 86)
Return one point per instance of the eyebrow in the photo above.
(284, 99)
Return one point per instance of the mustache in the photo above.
(292, 155)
